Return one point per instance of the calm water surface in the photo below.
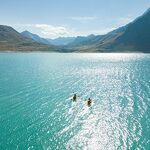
(36, 111)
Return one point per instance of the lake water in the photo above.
(36, 111)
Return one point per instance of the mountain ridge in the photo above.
(35, 37)
(12, 40)
(133, 37)
(60, 41)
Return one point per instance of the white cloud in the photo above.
(83, 19)
(45, 30)
(52, 31)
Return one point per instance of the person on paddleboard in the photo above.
(74, 98)
(89, 102)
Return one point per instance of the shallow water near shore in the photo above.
(36, 111)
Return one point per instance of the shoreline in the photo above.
(76, 52)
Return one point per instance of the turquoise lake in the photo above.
(36, 111)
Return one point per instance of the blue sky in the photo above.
(54, 18)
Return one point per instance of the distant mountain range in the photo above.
(134, 37)
(61, 41)
(58, 41)
(35, 37)
(11, 40)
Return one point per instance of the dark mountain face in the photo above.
(134, 37)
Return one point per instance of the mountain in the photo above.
(61, 41)
(35, 37)
(57, 41)
(91, 43)
(134, 37)
(85, 40)
(82, 43)
(8, 34)
(12, 40)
